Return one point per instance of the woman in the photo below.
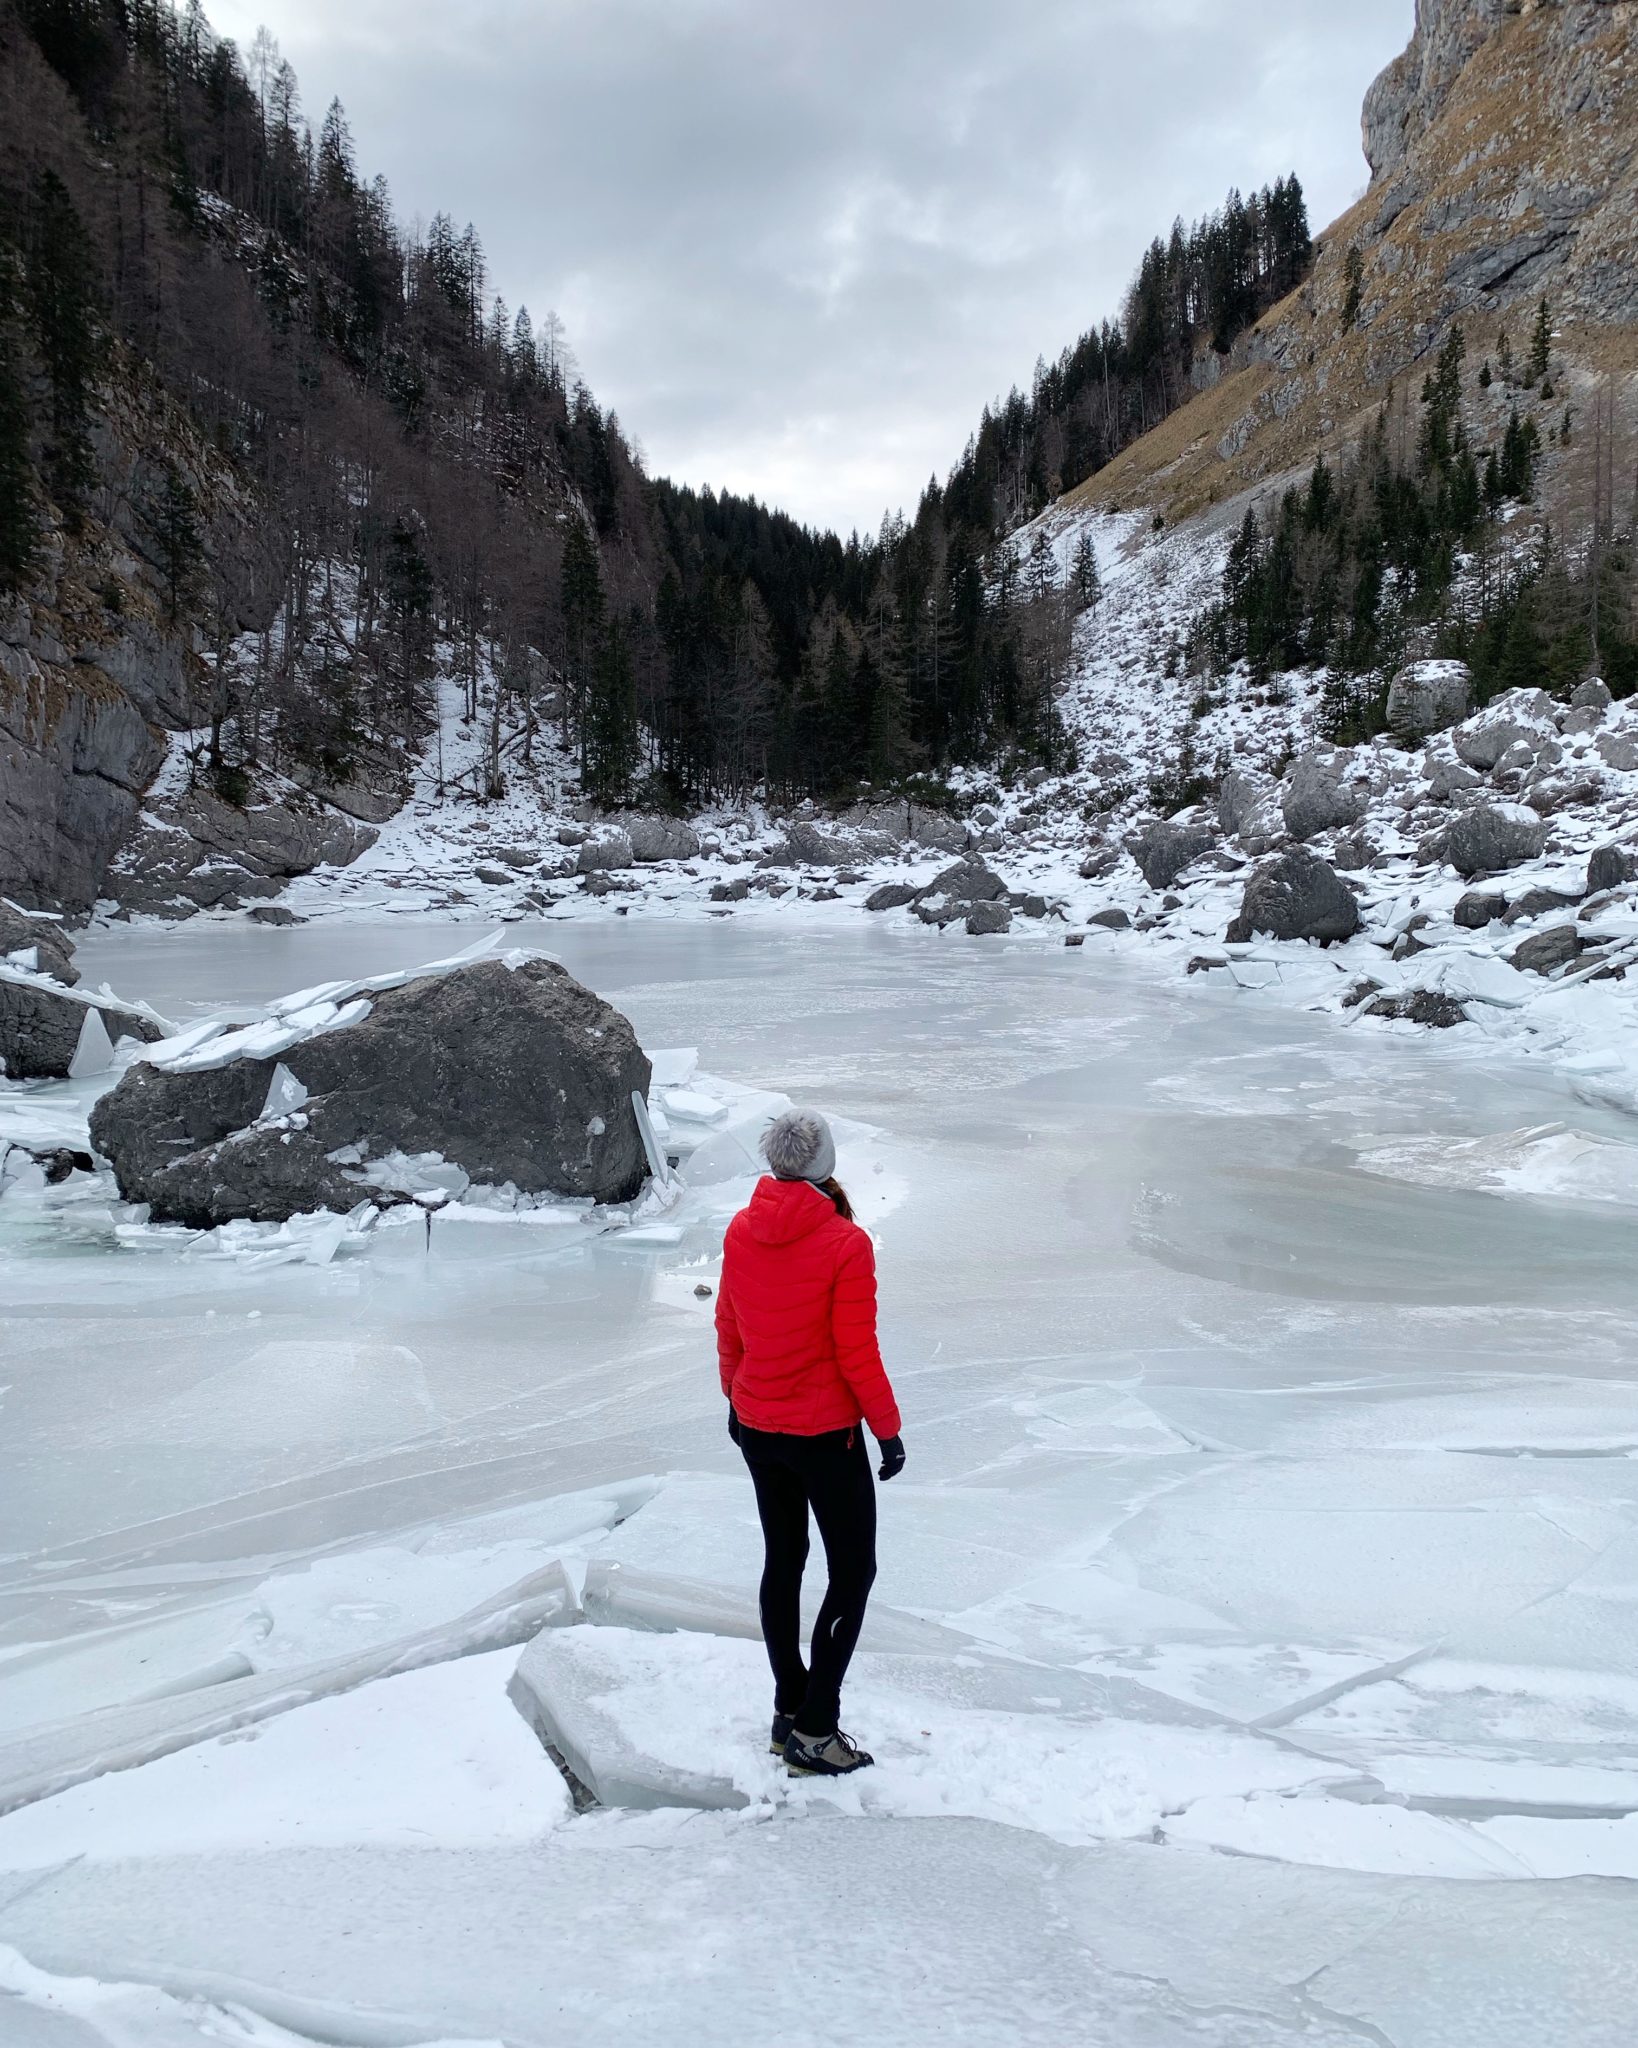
(796, 1343)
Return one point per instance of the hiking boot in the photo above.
(784, 1727)
(824, 1756)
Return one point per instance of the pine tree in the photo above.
(172, 520)
(1541, 345)
(63, 303)
(612, 747)
(1353, 277)
(1083, 575)
(582, 622)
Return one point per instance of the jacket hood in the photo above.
(781, 1211)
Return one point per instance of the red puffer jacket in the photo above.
(796, 1317)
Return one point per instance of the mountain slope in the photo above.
(1504, 153)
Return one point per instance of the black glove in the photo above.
(892, 1450)
(733, 1423)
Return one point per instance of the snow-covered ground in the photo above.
(1255, 1654)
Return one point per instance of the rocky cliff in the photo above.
(1503, 147)
(98, 671)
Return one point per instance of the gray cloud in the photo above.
(798, 248)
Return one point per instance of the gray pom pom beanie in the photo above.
(799, 1146)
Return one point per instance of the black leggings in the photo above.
(831, 1474)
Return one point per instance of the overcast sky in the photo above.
(798, 247)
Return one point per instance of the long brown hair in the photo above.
(838, 1194)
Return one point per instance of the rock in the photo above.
(1546, 952)
(654, 839)
(901, 822)
(1488, 840)
(1163, 851)
(1296, 896)
(1447, 779)
(806, 846)
(37, 942)
(1111, 920)
(1352, 853)
(892, 896)
(513, 1074)
(195, 854)
(1026, 905)
(1536, 903)
(986, 815)
(735, 891)
(1074, 938)
(985, 919)
(493, 877)
(1617, 750)
(1316, 795)
(1517, 717)
(950, 895)
(1592, 695)
(604, 852)
(1478, 908)
(1428, 696)
(1242, 796)
(273, 913)
(41, 1027)
(1102, 861)
(1608, 867)
(1419, 1006)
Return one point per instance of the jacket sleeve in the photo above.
(853, 1331)
(730, 1345)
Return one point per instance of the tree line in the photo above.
(427, 487)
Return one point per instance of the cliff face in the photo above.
(94, 671)
(1504, 153)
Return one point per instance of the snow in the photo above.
(1254, 1655)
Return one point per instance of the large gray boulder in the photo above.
(1428, 696)
(1317, 794)
(662, 839)
(987, 919)
(1608, 867)
(39, 943)
(1248, 804)
(604, 851)
(1488, 840)
(512, 1073)
(1517, 718)
(195, 854)
(901, 822)
(43, 1027)
(1546, 952)
(1296, 896)
(1164, 850)
(951, 895)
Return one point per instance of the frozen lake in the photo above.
(1265, 1573)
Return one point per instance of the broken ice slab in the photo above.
(682, 1720)
(673, 1067)
(41, 1761)
(688, 1105)
(431, 1755)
